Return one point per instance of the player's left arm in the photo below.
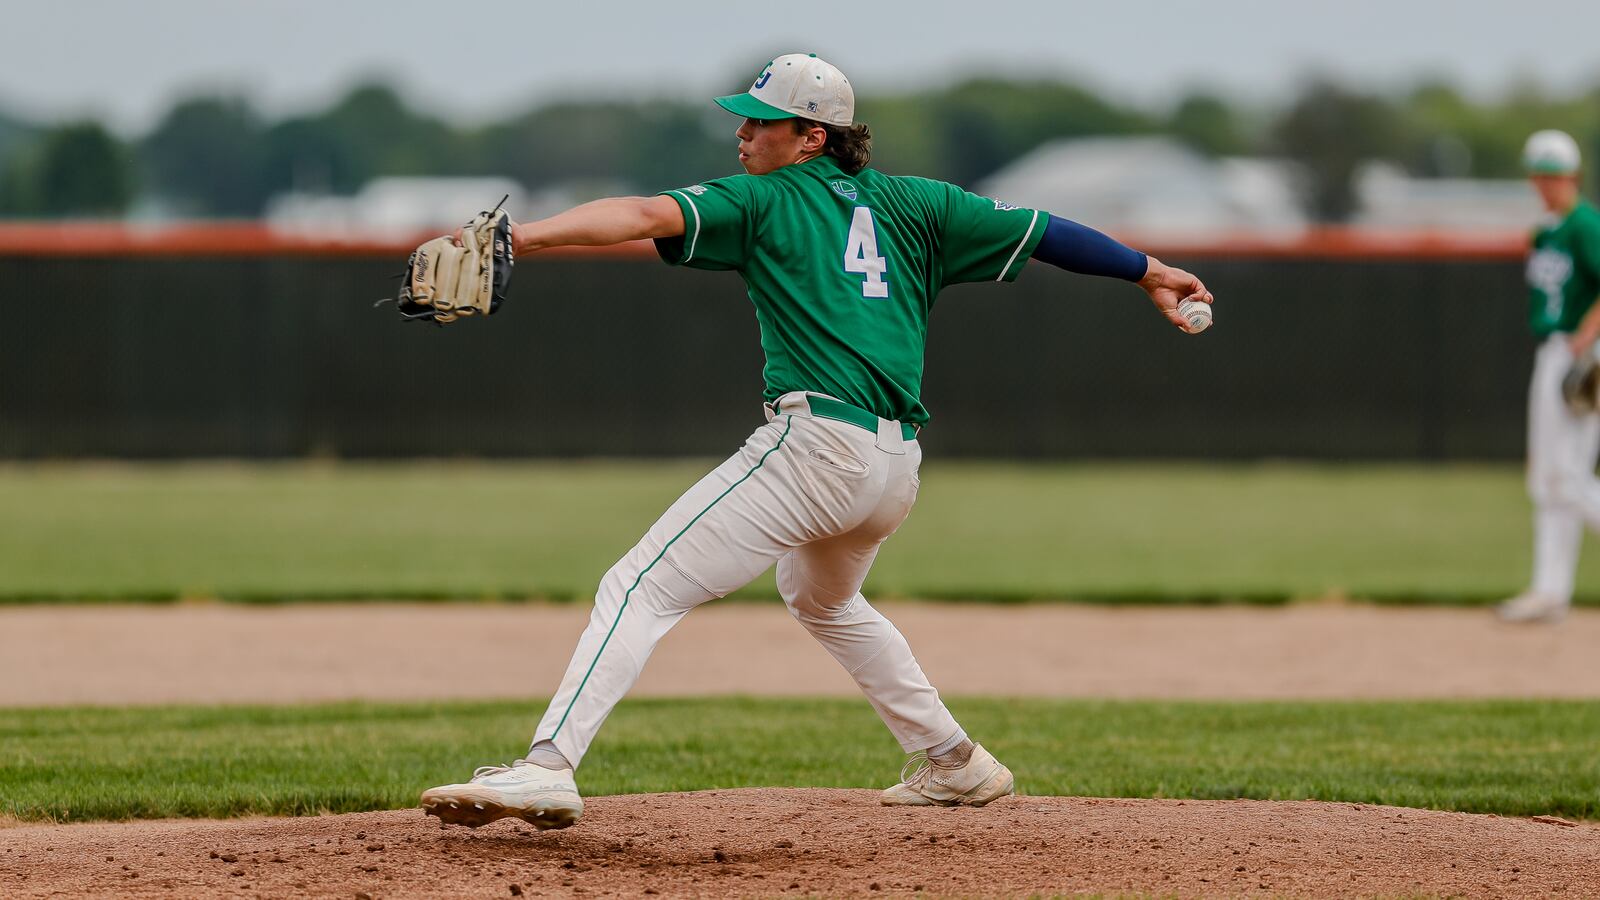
(599, 223)
(1078, 248)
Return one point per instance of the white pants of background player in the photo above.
(816, 496)
(1561, 481)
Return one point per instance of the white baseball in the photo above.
(1197, 313)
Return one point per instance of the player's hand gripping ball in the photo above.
(445, 281)
(1197, 313)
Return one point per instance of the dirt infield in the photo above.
(229, 654)
(816, 842)
(824, 843)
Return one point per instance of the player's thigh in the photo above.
(824, 576)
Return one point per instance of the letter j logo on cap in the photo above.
(762, 81)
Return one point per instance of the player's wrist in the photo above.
(525, 238)
(1154, 273)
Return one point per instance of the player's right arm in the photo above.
(614, 220)
(988, 240)
(1085, 251)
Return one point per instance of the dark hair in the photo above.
(851, 145)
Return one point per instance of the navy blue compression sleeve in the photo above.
(1078, 248)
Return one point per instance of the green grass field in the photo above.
(1513, 758)
(1108, 532)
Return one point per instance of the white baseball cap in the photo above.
(1551, 152)
(796, 84)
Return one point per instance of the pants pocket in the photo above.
(843, 463)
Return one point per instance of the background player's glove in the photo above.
(444, 282)
(1580, 387)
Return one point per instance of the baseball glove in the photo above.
(1580, 387)
(444, 281)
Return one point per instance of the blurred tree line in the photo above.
(216, 156)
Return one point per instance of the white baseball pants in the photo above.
(1561, 481)
(814, 495)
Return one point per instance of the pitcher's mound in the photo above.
(823, 842)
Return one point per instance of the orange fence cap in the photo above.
(236, 238)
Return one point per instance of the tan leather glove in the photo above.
(444, 281)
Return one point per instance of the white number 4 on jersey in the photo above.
(861, 254)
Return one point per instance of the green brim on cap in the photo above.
(1543, 167)
(751, 108)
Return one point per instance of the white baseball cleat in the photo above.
(544, 798)
(925, 783)
(1533, 607)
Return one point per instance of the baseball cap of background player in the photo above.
(1550, 152)
(796, 84)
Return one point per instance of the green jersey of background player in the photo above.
(1564, 263)
(843, 264)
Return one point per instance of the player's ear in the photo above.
(814, 138)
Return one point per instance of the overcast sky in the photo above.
(126, 61)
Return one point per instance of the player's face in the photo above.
(1558, 192)
(769, 144)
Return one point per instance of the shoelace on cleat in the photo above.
(486, 771)
(917, 770)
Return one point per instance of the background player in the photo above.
(1563, 279)
(843, 265)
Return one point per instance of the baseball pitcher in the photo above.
(1563, 429)
(843, 264)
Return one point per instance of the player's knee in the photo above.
(1561, 489)
(813, 606)
(1540, 494)
(800, 608)
(661, 589)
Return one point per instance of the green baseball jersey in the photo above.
(1564, 271)
(843, 269)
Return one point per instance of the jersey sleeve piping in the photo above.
(1032, 223)
(694, 238)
